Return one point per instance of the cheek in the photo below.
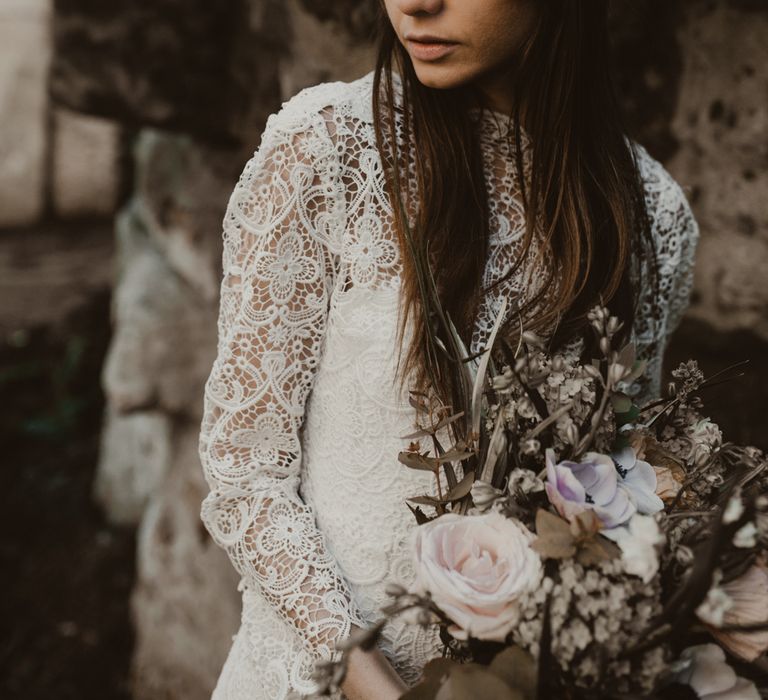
(502, 26)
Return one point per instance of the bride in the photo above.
(491, 128)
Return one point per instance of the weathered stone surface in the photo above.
(163, 344)
(185, 604)
(356, 18)
(182, 188)
(24, 62)
(321, 51)
(85, 165)
(195, 66)
(721, 123)
(134, 459)
(50, 270)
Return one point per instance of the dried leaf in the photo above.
(419, 514)
(596, 550)
(482, 368)
(417, 403)
(454, 455)
(461, 489)
(657, 456)
(627, 356)
(497, 446)
(475, 682)
(555, 539)
(423, 432)
(426, 501)
(416, 460)
(447, 420)
(518, 669)
(585, 525)
(638, 369)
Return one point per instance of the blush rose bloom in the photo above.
(749, 605)
(476, 567)
(710, 677)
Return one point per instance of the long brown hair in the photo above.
(583, 195)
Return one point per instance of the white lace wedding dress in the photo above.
(302, 424)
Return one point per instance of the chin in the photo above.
(440, 77)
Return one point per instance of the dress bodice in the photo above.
(303, 419)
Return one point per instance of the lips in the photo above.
(430, 48)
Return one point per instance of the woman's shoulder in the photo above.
(664, 195)
(328, 103)
(673, 224)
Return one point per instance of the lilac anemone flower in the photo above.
(639, 479)
(592, 484)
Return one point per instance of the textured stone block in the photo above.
(186, 607)
(182, 188)
(193, 66)
(86, 165)
(164, 341)
(721, 123)
(134, 459)
(25, 53)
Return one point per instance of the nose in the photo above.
(417, 7)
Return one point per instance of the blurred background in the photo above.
(123, 128)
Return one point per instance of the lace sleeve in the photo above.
(278, 275)
(676, 235)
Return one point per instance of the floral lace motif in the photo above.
(302, 420)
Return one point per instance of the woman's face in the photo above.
(486, 36)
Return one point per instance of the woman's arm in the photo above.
(278, 276)
(676, 235)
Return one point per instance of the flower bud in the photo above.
(605, 346)
(671, 390)
(395, 590)
(613, 325)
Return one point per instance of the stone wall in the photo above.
(53, 162)
(154, 106)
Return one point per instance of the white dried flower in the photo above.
(638, 542)
(746, 537)
(734, 510)
(715, 605)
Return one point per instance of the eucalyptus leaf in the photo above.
(415, 460)
(417, 434)
(638, 369)
(621, 402)
(462, 488)
(426, 500)
(448, 419)
(497, 446)
(626, 357)
(477, 389)
(454, 455)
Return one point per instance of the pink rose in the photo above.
(476, 567)
(749, 596)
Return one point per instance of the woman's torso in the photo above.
(356, 414)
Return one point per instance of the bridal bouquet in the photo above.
(580, 545)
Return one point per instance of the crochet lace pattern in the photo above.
(302, 421)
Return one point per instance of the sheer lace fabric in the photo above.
(302, 420)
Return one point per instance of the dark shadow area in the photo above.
(66, 573)
(737, 406)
